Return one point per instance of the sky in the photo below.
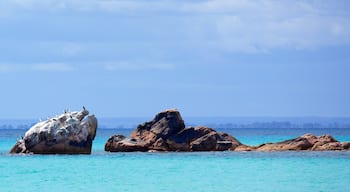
(135, 58)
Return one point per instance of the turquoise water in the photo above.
(208, 171)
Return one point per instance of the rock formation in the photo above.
(304, 142)
(167, 132)
(69, 133)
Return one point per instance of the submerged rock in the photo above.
(69, 133)
(167, 132)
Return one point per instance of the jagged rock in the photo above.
(69, 133)
(167, 132)
(164, 125)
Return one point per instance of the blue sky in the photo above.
(205, 58)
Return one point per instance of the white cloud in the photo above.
(337, 29)
(260, 26)
(229, 25)
(64, 67)
(43, 67)
(71, 49)
(5, 68)
(86, 5)
(116, 66)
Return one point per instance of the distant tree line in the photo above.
(9, 126)
(280, 125)
(273, 124)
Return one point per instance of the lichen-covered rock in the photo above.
(69, 133)
(167, 132)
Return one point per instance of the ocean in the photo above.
(202, 171)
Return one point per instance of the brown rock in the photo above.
(305, 142)
(160, 145)
(225, 138)
(205, 143)
(346, 145)
(214, 141)
(163, 125)
(119, 143)
(332, 146)
(245, 148)
(293, 144)
(166, 132)
(181, 141)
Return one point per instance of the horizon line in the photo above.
(243, 117)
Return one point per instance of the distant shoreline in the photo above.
(214, 122)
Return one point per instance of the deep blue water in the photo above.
(206, 171)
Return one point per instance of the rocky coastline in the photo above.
(74, 132)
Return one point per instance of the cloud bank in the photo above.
(71, 67)
(136, 67)
(238, 26)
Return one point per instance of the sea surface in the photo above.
(202, 171)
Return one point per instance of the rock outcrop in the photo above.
(305, 142)
(69, 133)
(167, 132)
